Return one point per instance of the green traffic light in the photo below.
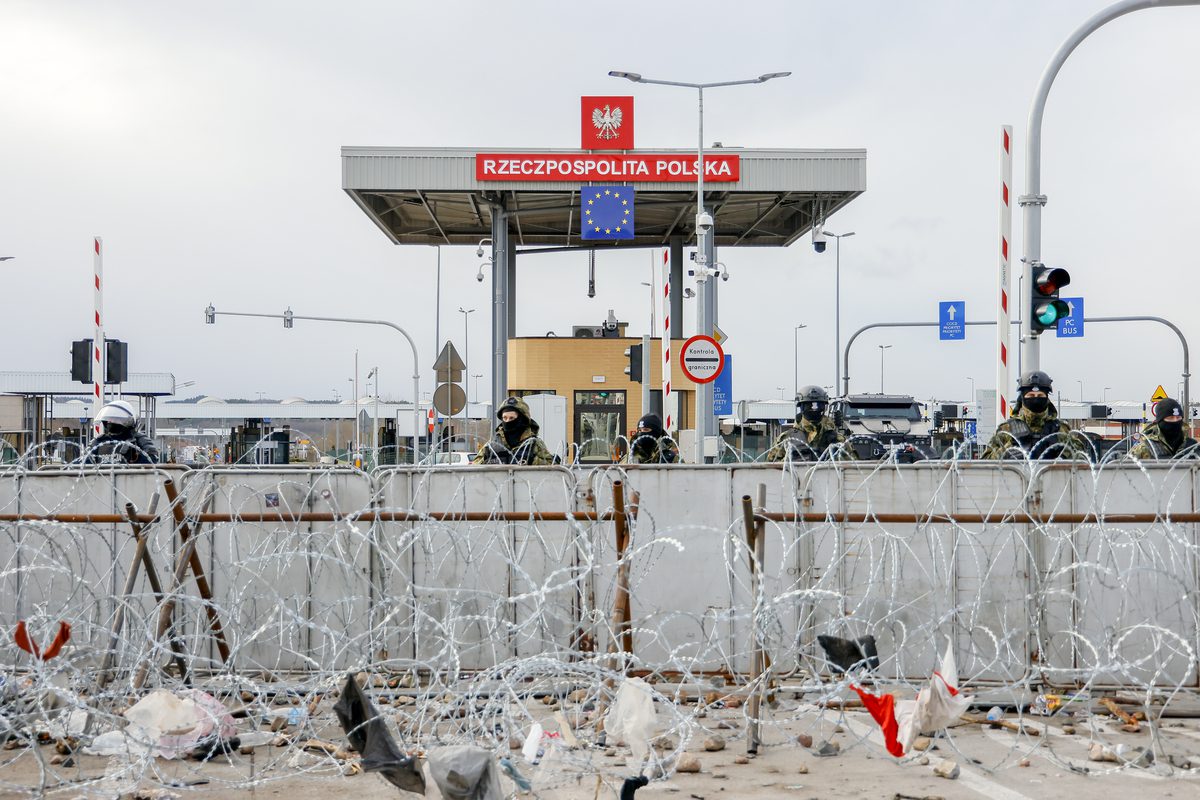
(1048, 314)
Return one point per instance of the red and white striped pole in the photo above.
(1003, 313)
(667, 399)
(98, 338)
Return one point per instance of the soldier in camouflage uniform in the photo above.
(814, 437)
(1034, 430)
(1165, 438)
(651, 445)
(515, 440)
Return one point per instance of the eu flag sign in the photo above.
(606, 212)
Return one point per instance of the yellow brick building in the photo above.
(590, 373)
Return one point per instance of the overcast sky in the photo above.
(202, 141)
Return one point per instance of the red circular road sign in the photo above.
(702, 359)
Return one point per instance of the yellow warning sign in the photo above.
(1159, 394)
(719, 335)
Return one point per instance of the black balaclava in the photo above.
(1172, 431)
(812, 411)
(514, 428)
(1037, 405)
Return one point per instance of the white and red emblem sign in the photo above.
(606, 123)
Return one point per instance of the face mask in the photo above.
(813, 411)
(1172, 431)
(514, 428)
(1036, 404)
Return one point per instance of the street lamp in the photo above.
(210, 316)
(1104, 396)
(796, 359)
(972, 380)
(706, 423)
(477, 376)
(882, 347)
(780, 389)
(837, 306)
(1080, 390)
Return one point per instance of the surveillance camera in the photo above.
(479, 277)
(704, 222)
(479, 252)
(725, 274)
(818, 239)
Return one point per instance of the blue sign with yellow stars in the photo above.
(606, 212)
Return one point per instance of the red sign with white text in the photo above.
(579, 167)
(606, 123)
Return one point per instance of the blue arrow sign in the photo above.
(971, 429)
(952, 316)
(1071, 326)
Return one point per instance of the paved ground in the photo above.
(988, 760)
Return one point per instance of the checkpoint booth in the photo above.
(528, 202)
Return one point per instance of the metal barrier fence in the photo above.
(508, 581)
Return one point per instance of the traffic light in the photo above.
(81, 361)
(634, 370)
(1045, 307)
(116, 361)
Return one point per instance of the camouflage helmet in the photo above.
(812, 394)
(513, 404)
(1036, 379)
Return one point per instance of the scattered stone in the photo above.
(405, 700)
(720, 776)
(726, 725)
(515, 743)
(1179, 761)
(610, 752)
(1131, 728)
(922, 743)
(57, 759)
(1024, 762)
(804, 740)
(687, 763)
(839, 729)
(802, 769)
(826, 749)
(578, 696)
(733, 702)
(946, 768)
(714, 744)
(1069, 730)
(711, 698)
(247, 697)
(664, 744)
(741, 760)
(1099, 752)
(923, 761)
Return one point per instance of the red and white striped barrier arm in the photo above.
(98, 338)
(667, 399)
(1003, 312)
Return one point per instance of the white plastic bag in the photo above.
(631, 717)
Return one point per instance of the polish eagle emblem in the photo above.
(606, 122)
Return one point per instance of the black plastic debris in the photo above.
(369, 736)
(847, 654)
(631, 785)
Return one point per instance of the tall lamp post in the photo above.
(210, 317)
(882, 347)
(796, 359)
(706, 423)
(837, 306)
(466, 312)
(972, 380)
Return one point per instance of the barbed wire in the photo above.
(475, 603)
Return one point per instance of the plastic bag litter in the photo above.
(631, 717)
(937, 705)
(369, 736)
(167, 725)
(463, 772)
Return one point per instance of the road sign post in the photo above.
(951, 318)
(1071, 326)
(702, 359)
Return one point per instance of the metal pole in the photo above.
(437, 336)
(375, 437)
(837, 313)
(1187, 375)
(1032, 202)
(412, 345)
(467, 364)
(500, 332)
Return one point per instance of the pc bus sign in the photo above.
(702, 359)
